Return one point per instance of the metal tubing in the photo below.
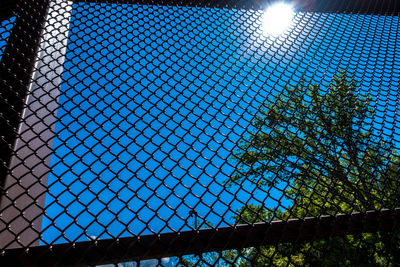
(386, 7)
(205, 240)
(7, 9)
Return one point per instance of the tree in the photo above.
(217, 259)
(323, 144)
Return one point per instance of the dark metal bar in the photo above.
(200, 241)
(25, 188)
(387, 7)
(16, 68)
(7, 9)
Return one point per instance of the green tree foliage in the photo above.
(217, 259)
(323, 144)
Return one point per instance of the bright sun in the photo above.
(277, 18)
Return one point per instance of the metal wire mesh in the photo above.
(6, 26)
(196, 135)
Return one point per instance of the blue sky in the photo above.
(147, 263)
(155, 99)
(5, 30)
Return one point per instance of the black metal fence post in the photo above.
(16, 68)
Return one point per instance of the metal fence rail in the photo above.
(127, 249)
(195, 133)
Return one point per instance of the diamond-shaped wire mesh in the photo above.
(199, 136)
(6, 26)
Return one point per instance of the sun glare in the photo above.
(277, 18)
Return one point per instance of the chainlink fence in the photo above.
(168, 133)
